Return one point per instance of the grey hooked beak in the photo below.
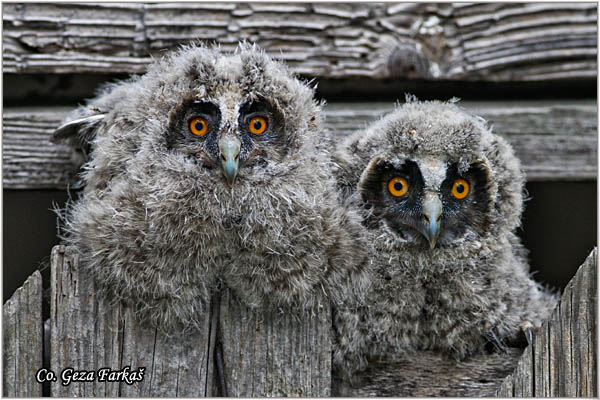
(229, 147)
(432, 215)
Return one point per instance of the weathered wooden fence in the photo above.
(265, 354)
(270, 353)
(563, 360)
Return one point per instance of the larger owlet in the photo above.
(441, 197)
(211, 168)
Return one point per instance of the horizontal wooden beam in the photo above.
(555, 140)
(435, 41)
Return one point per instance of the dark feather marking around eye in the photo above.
(473, 211)
(178, 131)
(383, 206)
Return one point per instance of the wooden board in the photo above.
(22, 340)
(563, 359)
(435, 41)
(87, 334)
(275, 352)
(555, 140)
(429, 374)
(266, 353)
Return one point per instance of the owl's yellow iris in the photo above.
(460, 189)
(258, 125)
(398, 186)
(198, 126)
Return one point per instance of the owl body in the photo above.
(441, 197)
(211, 170)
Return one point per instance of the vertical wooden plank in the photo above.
(506, 388)
(22, 340)
(174, 366)
(583, 308)
(556, 355)
(562, 362)
(275, 352)
(88, 334)
(84, 331)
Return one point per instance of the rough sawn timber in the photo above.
(266, 353)
(434, 41)
(22, 340)
(429, 374)
(555, 140)
(563, 359)
(275, 352)
(87, 334)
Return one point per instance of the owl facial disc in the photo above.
(229, 147)
(429, 225)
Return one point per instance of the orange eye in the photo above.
(258, 125)
(198, 126)
(460, 189)
(398, 186)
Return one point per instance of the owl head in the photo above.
(435, 175)
(233, 119)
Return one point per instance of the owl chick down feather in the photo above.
(211, 170)
(441, 197)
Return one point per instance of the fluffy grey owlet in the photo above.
(441, 197)
(210, 168)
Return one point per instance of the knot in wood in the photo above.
(407, 61)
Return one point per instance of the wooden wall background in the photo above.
(528, 68)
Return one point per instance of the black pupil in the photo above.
(199, 125)
(398, 186)
(460, 188)
(257, 125)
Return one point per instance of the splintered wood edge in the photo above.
(476, 42)
(562, 360)
(23, 339)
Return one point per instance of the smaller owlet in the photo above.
(211, 170)
(441, 197)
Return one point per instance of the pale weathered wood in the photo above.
(275, 352)
(562, 361)
(87, 334)
(22, 340)
(437, 41)
(266, 353)
(555, 140)
(429, 374)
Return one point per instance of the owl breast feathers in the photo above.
(441, 197)
(211, 168)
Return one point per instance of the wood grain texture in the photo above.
(555, 140)
(22, 340)
(267, 353)
(275, 352)
(562, 360)
(434, 41)
(87, 334)
(429, 374)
